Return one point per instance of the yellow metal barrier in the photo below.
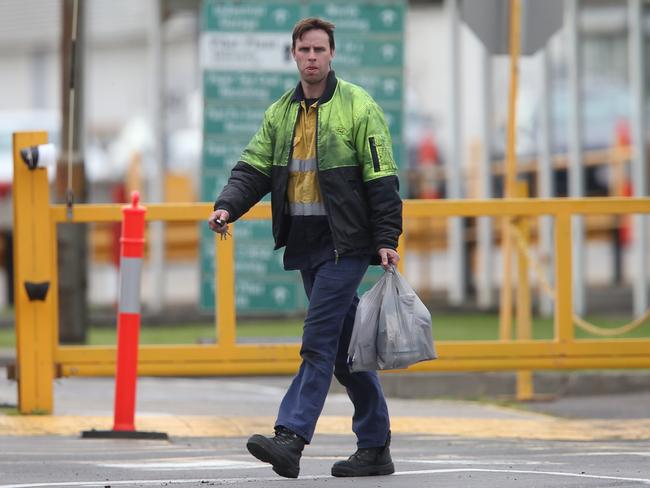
(34, 262)
(40, 356)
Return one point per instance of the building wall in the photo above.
(116, 86)
(118, 79)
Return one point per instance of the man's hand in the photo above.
(218, 222)
(388, 257)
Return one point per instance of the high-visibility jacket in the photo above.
(356, 170)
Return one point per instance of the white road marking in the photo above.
(612, 453)
(523, 471)
(230, 481)
(186, 465)
(478, 462)
(454, 460)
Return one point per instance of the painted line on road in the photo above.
(194, 464)
(608, 453)
(224, 481)
(455, 461)
(478, 462)
(185, 465)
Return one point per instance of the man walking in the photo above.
(325, 154)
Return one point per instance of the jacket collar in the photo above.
(299, 95)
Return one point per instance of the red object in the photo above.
(622, 133)
(625, 230)
(427, 159)
(128, 326)
(126, 373)
(5, 189)
(427, 152)
(132, 240)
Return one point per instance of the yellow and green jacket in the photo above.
(356, 172)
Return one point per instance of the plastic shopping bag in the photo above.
(392, 328)
(362, 351)
(404, 335)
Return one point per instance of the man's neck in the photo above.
(314, 91)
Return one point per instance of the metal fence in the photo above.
(40, 358)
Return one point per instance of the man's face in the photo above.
(313, 56)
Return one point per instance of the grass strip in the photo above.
(447, 327)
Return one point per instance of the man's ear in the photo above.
(293, 53)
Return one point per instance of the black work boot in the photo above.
(369, 461)
(283, 451)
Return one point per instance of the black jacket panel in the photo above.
(246, 186)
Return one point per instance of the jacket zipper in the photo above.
(325, 201)
(293, 136)
(373, 153)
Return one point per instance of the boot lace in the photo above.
(365, 455)
(284, 436)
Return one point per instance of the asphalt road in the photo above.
(567, 442)
(421, 461)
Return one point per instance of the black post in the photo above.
(8, 237)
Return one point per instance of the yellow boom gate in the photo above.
(40, 358)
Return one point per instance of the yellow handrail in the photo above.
(40, 357)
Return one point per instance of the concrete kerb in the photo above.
(503, 384)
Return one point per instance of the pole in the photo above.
(515, 47)
(505, 318)
(485, 237)
(576, 170)
(156, 182)
(639, 153)
(128, 326)
(546, 187)
(35, 270)
(456, 245)
(70, 179)
(525, 389)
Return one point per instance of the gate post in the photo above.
(35, 277)
(525, 389)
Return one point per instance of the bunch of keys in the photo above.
(222, 235)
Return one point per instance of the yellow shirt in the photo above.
(303, 190)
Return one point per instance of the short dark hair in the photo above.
(311, 23)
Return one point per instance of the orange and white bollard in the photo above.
(128, 314)
(128, 326)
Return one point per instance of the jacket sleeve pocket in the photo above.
(381, 155)
(372, 142)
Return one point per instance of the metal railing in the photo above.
(41, 358)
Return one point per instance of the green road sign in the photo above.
(352, 52)
(238, 89)
(362, 18)
(249, 16)
(247, 65)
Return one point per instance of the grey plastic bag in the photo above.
(362, 351)
(392, 328)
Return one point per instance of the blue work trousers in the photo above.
(332, 291)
